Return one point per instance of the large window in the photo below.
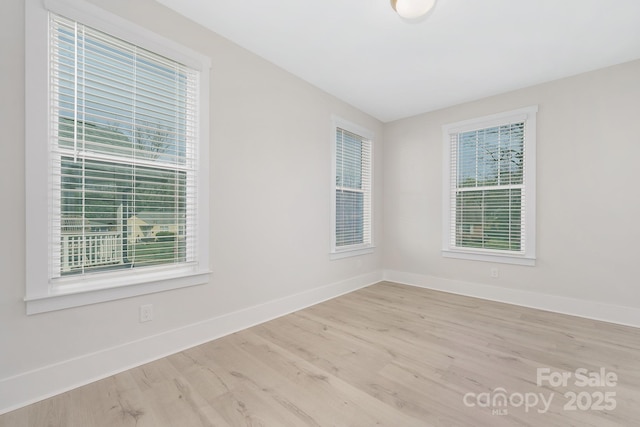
(351, 197)
(122, 147)
(490, 188)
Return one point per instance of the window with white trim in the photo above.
(489, 190)
(123, 144)
(351, 196)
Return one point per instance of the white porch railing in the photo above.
(90, 250)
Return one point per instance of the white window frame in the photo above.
(41, 294)
(528, 254)
(367, 247)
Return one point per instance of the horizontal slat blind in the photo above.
(488, 197)
(123, 134)
(353, 189)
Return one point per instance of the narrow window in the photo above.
(352, 231)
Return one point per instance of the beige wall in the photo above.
(588, 203)
(270, 192)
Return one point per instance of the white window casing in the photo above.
(351, 189)
(117, 158)
(489, 188)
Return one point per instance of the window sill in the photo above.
(77, 294)
(490, 257)
(351, 252)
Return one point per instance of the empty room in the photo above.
(320, 213)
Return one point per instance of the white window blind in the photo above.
(487, 177)
(123, 126)
(353, 189)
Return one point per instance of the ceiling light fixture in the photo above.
(412, 9)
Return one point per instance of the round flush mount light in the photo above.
(412, 9)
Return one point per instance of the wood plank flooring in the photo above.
(386, 355)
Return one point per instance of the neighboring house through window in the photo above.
(351, 194)
(122, 172)
(489, 191)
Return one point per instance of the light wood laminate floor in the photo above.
(386, 355)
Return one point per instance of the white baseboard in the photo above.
(29, 387)
(595, 310)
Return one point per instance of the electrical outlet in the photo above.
(495, 273)
(146, 313)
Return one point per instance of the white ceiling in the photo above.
(362, 52)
